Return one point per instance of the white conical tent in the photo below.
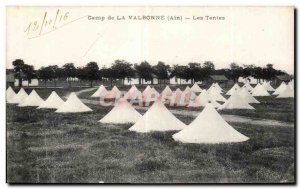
(133, 93)
(187, 89)
(259, 90)
(202, 100)
(247, 96)
(175, 98)
(218, 86)
(291, 84)
(185, 97)
(154, 91)
(167, 91)
(151, 95)
(195, 88)
(287, 92)
(254, 88)
(279, 89)
(157, 118)
(32, 100)
(122, 113)
(215, 95)
(101, 92)
(136, 95)
(268, 86)
(177, 91)
(146, 91)
(236, 102)
(248, 86)
(20, 96)
(233, 89)
(10, 94)
(115, 88)
(213, 87)
(214, 104)
(53, 101)
(113, 93)
(210, 128)
(132, 89)
(72, 105)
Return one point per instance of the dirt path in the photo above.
(79, 92)
(85, 90)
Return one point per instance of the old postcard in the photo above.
(150, 95)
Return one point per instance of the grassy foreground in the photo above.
(46, 147)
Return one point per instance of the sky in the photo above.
(247, 35)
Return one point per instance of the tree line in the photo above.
(121, 70)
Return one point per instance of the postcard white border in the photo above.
(5, 3)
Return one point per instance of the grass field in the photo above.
(46, 147)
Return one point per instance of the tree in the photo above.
(69, 71)
(180, 72)
(248, 70)
(162, 71)
(92, 72)
(269, 72)
(257, 73)
(54, 73)
(209, 65)
(18, 68)
(144, 70)
(60, 73)
(45, 74)
(122, 70)
(207, 69)
(108, 73)
(81, 74)
(29, 73)
(194, 71)
(235, 72)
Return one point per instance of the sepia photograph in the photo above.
(150, 95)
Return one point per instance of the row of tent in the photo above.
(283, 91)
(187, 97)
(208, 127)
(240, 97)
(22, 99)
(73, 104)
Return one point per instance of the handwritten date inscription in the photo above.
(47, 23)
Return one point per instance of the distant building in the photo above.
(139, 81)
(32, 83)
(280, 78)
(10, 78)
(220, 79)
(249, 79)
(178, 81)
